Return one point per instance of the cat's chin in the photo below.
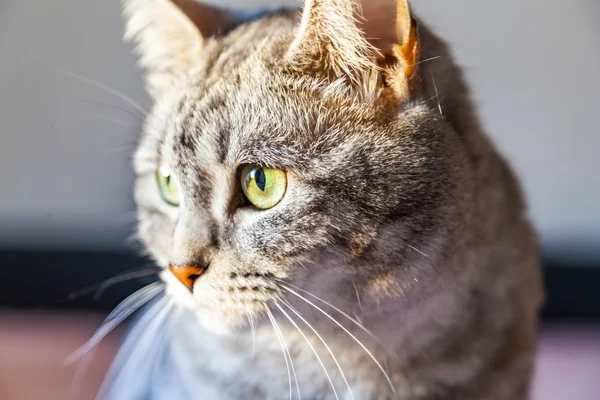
(216, 324)
(212, 321)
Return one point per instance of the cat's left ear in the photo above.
(170, 34)
(370, 42)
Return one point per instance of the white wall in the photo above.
(65, 177)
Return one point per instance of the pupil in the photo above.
(261, 180)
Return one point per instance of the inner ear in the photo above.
(377, 20)
(363, 42)
(390, 28)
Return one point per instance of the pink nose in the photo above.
(186, 274)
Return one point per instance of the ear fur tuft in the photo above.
(368, 43)
(169, 35)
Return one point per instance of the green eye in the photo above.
(167, 185)
(263, 187)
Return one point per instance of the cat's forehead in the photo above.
(235, 123)
(242, 105)
(229, 102)
(272, 120)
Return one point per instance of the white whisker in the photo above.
(107, 89)
(121, 278)
(118, 315)
(339, 367)
(289, 356)
(349, 333)
(288, 353)
(311, 347)
(418, 251)
(428, 59)
(358, 323)
(83, 365)
(106, 118)
(436, 92)
(111, 106)
(140, 340)
(150, 289)
(283, 347)
(160, 341)
(302, 265)
(253, 330)
(98, 287)
(357, 296)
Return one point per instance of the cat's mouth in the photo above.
(224, 305)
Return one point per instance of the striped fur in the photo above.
(398, 211)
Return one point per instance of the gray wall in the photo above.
(65, 173)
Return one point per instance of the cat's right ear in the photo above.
(372, 44)
(169, 35)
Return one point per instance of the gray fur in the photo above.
(398, 211)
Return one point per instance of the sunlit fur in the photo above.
(399, 263)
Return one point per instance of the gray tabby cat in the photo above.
(331, 220)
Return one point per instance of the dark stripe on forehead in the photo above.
(187, 130)
(224, 139)
(201, 186)
(214, 236)
(223, 142)
(186, 140)
(213, 106)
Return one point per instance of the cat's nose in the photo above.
(187, 274)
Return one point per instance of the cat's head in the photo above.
(288, 147)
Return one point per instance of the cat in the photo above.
(330, 219)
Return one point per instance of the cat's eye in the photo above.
(167, 185)
(263, 187)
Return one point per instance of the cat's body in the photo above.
(398, 211)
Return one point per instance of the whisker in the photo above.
(418, 251)
(430, 98)
(122, 278)
(118, 315)
(358, 323)
(160, 341)
(252, 329)
(107, 89)
(82, 368)
(289, 356)
(302, 265)
(436, 92)
(126, 218)
(83, 365)
(140, 339)
(134, 299)
(125, 276)
(311, 347)
(357, 296)
(339, 367)
(110, 119)
(349, 333)
(283, 347)
(428, 59)
(126, 147)
(99, 103)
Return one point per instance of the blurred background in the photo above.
(66, 209)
